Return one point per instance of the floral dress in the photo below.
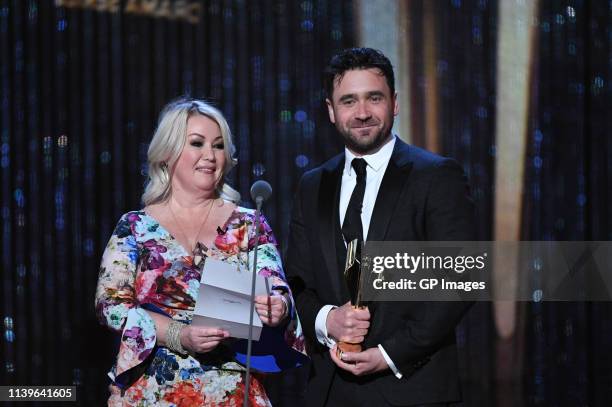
(144, 267)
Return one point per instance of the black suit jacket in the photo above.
(422, 197)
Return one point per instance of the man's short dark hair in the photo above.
(357, 58)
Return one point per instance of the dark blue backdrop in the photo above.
(80, 91)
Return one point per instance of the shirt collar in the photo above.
(375, 161)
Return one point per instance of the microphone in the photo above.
(260, 192)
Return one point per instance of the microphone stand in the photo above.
(245, 403)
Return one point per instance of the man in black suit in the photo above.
(379, 189)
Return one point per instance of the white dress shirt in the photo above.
(375, 170)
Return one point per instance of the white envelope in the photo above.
(224, 299)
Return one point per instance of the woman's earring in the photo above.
(164, 166)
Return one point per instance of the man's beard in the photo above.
(364, 145)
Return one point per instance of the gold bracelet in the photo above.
(173, 337)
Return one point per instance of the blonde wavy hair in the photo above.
(167, 145)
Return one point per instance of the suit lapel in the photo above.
(390, 190)
(329, 196)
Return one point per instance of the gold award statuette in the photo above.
(352, 276)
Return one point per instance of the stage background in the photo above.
(81, 88)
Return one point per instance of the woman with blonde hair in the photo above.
(150, 272)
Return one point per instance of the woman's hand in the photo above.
(272, 309)
(201, 339)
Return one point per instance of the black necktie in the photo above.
(352, 228)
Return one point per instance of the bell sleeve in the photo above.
(116, 302)
(283, 346)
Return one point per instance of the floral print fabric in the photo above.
(144, 267)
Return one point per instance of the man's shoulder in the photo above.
(418, 157)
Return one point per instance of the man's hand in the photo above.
(348, 324)
(360, 363)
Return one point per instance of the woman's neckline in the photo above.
(209, 245)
